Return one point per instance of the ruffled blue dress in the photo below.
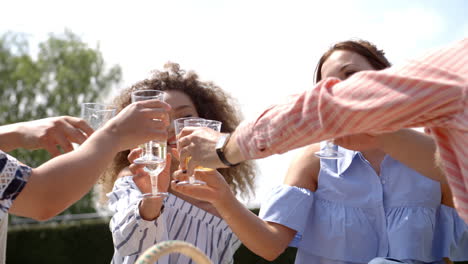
(356, 215)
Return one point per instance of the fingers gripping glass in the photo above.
(195, 122)
(329, 152)
(154, 152)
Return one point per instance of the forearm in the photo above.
(263, 238)
(414, 149)
(10, 137)
(62, 181)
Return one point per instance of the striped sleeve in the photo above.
(130, 233)
(426, 92)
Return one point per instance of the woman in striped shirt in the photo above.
(139, 222)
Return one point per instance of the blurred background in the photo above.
(54, 55)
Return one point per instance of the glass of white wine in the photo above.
(154, 152)
(213, 124)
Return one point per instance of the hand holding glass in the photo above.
(154, 152)
(197, 122)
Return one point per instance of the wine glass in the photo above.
(154, 152)
(329, 152)
(198, 122)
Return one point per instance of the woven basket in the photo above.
(152, 254)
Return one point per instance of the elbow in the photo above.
(271, 253)
(44, 215)
(271, 256)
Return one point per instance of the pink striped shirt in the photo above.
(426, 92)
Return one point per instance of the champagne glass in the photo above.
(329, 152)
(213, 124)
(154, 152)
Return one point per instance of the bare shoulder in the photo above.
(304, 169)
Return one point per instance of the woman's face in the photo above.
(342, 64)
(182, 106)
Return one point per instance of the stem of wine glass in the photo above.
(329, 146)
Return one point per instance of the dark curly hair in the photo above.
(211, 102)
(369, 51)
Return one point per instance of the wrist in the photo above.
(232, 151)
(224, 200)
(105, 138)
(151, 208)
(11, 137)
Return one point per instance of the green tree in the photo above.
(64, 73)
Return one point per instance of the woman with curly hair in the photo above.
(140, 222)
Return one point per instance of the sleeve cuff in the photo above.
(288, 206)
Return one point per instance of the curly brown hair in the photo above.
(369, 51)
(211, 102)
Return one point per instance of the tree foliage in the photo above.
(64, 73)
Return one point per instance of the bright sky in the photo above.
(259, 51)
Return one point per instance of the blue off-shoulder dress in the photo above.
(356, 215)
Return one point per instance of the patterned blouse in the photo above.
(13, 178)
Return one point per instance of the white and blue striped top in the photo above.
(179, 220)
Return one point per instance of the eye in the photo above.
(349, 73)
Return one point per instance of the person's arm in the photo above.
(58, 183)
(47, 133)
(265, 239)
(129, 230)
(425, 92)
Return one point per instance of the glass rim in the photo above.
(147, 91)
(213, 124)
(143, 95)
(101, 107)
(182, 120)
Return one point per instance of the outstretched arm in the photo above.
(47, 133)
(58, 183)
(430, 91)
(266, 239)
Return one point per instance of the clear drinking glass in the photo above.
(198, 122)
(328, 152)
(154, 152)
(96, 115)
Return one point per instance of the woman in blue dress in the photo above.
(384, 201)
